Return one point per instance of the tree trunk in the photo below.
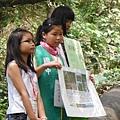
(16, 2)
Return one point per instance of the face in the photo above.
(27, 45)
(68, 24)
(54, 37)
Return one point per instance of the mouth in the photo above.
(33, 49)
(57, 43)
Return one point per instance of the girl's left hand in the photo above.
(92, 79)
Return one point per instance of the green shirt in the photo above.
(46, 83)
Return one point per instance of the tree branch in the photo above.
(4, 3)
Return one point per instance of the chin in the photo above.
(32, 52)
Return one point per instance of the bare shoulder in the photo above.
(13, 66)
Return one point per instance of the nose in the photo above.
(32, 43)
(58, 37)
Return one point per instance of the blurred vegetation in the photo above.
(96, 26)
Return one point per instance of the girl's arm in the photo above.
(15, 75)
(53, 64)
(41, 111)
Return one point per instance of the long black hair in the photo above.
(63, 13)
(46, 27)
(13, 50)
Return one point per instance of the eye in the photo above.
(61, 33)
(25, 41)
(54, 34)
(29, 41)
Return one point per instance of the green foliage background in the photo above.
(96, 26)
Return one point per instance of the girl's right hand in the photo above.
(53, 64)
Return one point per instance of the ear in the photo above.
(44, 35)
